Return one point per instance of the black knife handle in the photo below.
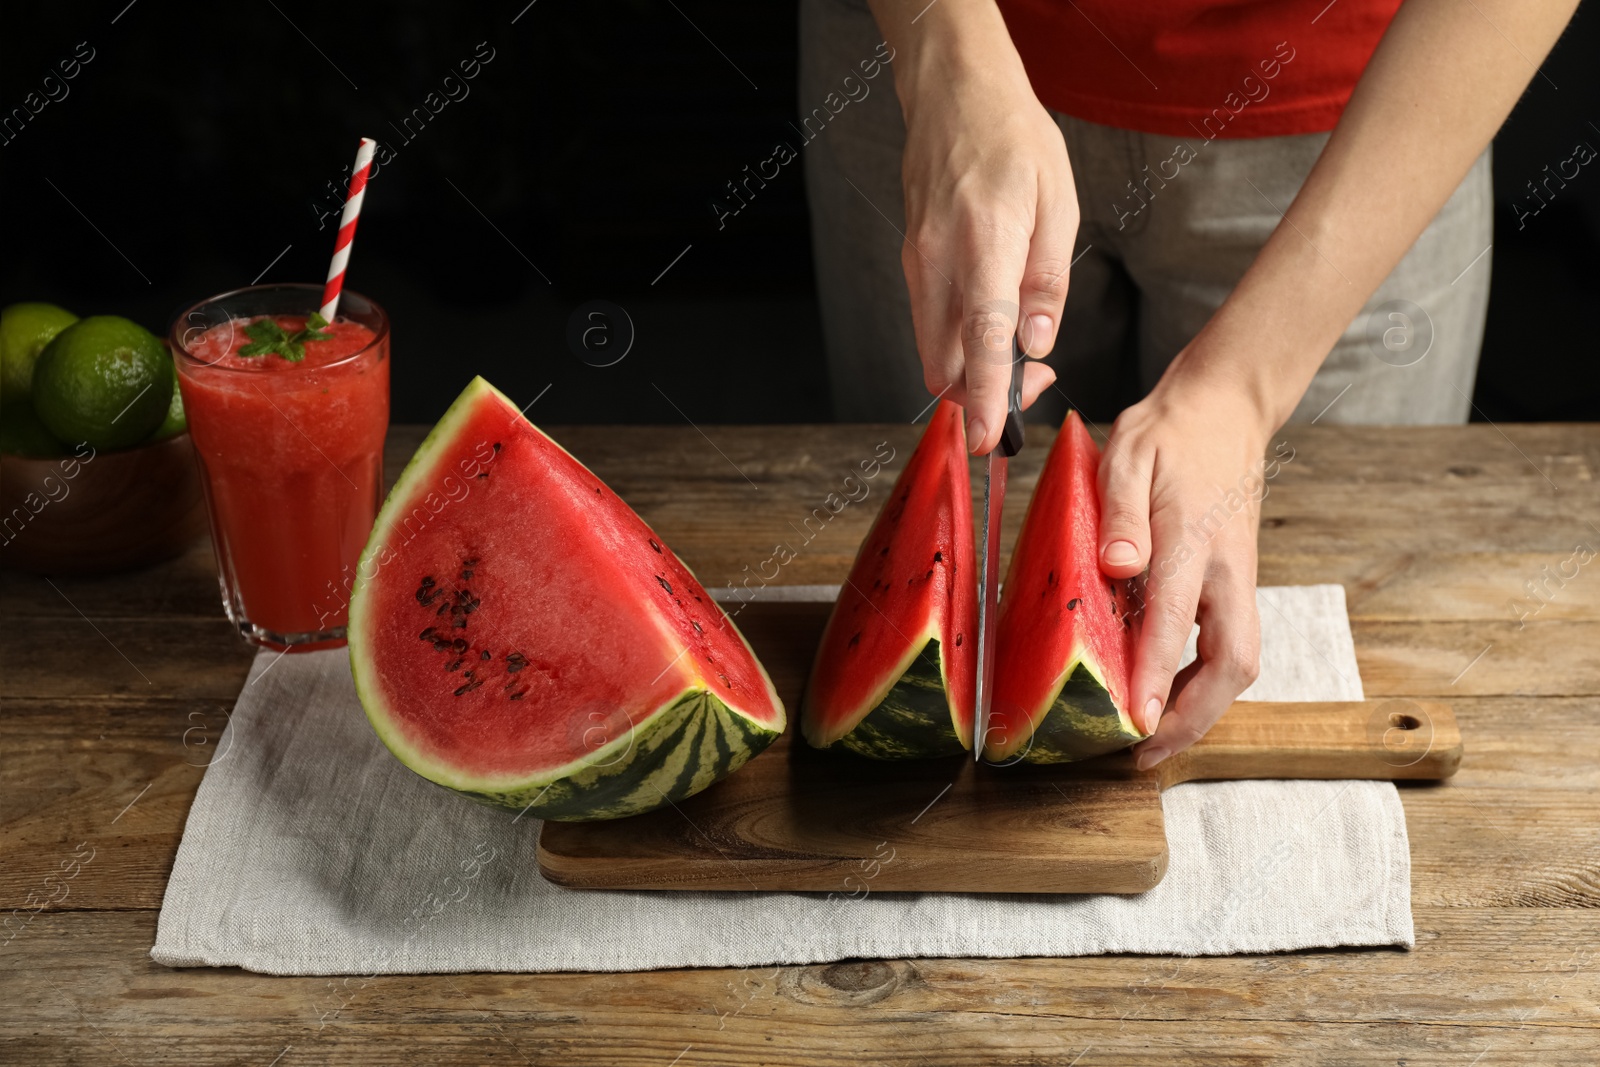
(1011, 436)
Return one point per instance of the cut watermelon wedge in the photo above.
(519, 635)
(895, 673)
(1065, 632)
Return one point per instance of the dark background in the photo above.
(200, 139)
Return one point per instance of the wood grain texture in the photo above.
(798, 819)
(1431, 531)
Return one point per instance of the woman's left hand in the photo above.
(1181, 483)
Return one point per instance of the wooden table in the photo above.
(115, 692)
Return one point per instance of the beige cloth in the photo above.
(311, 850)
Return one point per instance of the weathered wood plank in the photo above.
(1544, 657)
(1519, 983)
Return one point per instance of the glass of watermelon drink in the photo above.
(288, 421)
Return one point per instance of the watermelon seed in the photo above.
(696, 624)
(725, 680)
(1072, 605)
(429, 632)
(856, 640)
(455, 664)
(938, 557)
(929, 574)
(519, 696)
(470, 686)
(655, 546)
(442, 609)
(958, 639)
(459, 644)
(483, 474)
(885, 551)
(515, 661)
(485, 654)
(664, 583)
(497, 446)
(1052, 578)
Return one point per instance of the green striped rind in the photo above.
(913, 720)
(681, 750)
(1082, 722)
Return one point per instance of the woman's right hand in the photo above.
(991, 209)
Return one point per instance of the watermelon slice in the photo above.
(896, 671)
(518, 633)
(1065, 632)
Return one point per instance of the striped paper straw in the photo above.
(347, 228)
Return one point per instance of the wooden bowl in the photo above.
(100, 512)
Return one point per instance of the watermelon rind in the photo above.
(682, 746)
(913, 720)
(1080, 722)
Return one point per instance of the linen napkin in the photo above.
(311, 850)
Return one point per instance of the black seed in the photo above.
(655, 546)
(515, 661)
(929, 574)
(497, 446)
(469, 687)
(455, 664)
(484, 474)
(1051, 579)
(958, 639)
(1072, 605)
(459, 644)
(424, 635)
(519, 696)
(485, 654)
(664, 583)
(885, 551)
(938, 557)
(696, 626)
(442, 609)
(855, 640)
(466, 576)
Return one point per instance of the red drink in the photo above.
(291, 453)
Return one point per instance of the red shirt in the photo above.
(1207, 68)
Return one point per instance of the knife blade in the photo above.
(994, 493)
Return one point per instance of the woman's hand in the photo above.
(991, 210)
(1181, 483)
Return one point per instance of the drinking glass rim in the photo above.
(180, 350)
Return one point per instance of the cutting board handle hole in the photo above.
(1404, 722)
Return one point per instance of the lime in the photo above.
(22, 434)
(175, 422)
(103, 380)
(24, 331)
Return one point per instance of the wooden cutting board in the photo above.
(798, 819)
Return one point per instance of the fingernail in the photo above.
(974, 433)
(1152, 715)
(1151, 756)
(1121, 554)
(1039, 338)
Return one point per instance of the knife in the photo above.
(994, 493)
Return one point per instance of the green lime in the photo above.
(24, 331)
(175, 422)
(22, 434)
(103, 380)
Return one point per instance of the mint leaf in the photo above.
(269, 338)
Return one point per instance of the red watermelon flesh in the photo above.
(519, 634)
(1065, 632)
(896, 670)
